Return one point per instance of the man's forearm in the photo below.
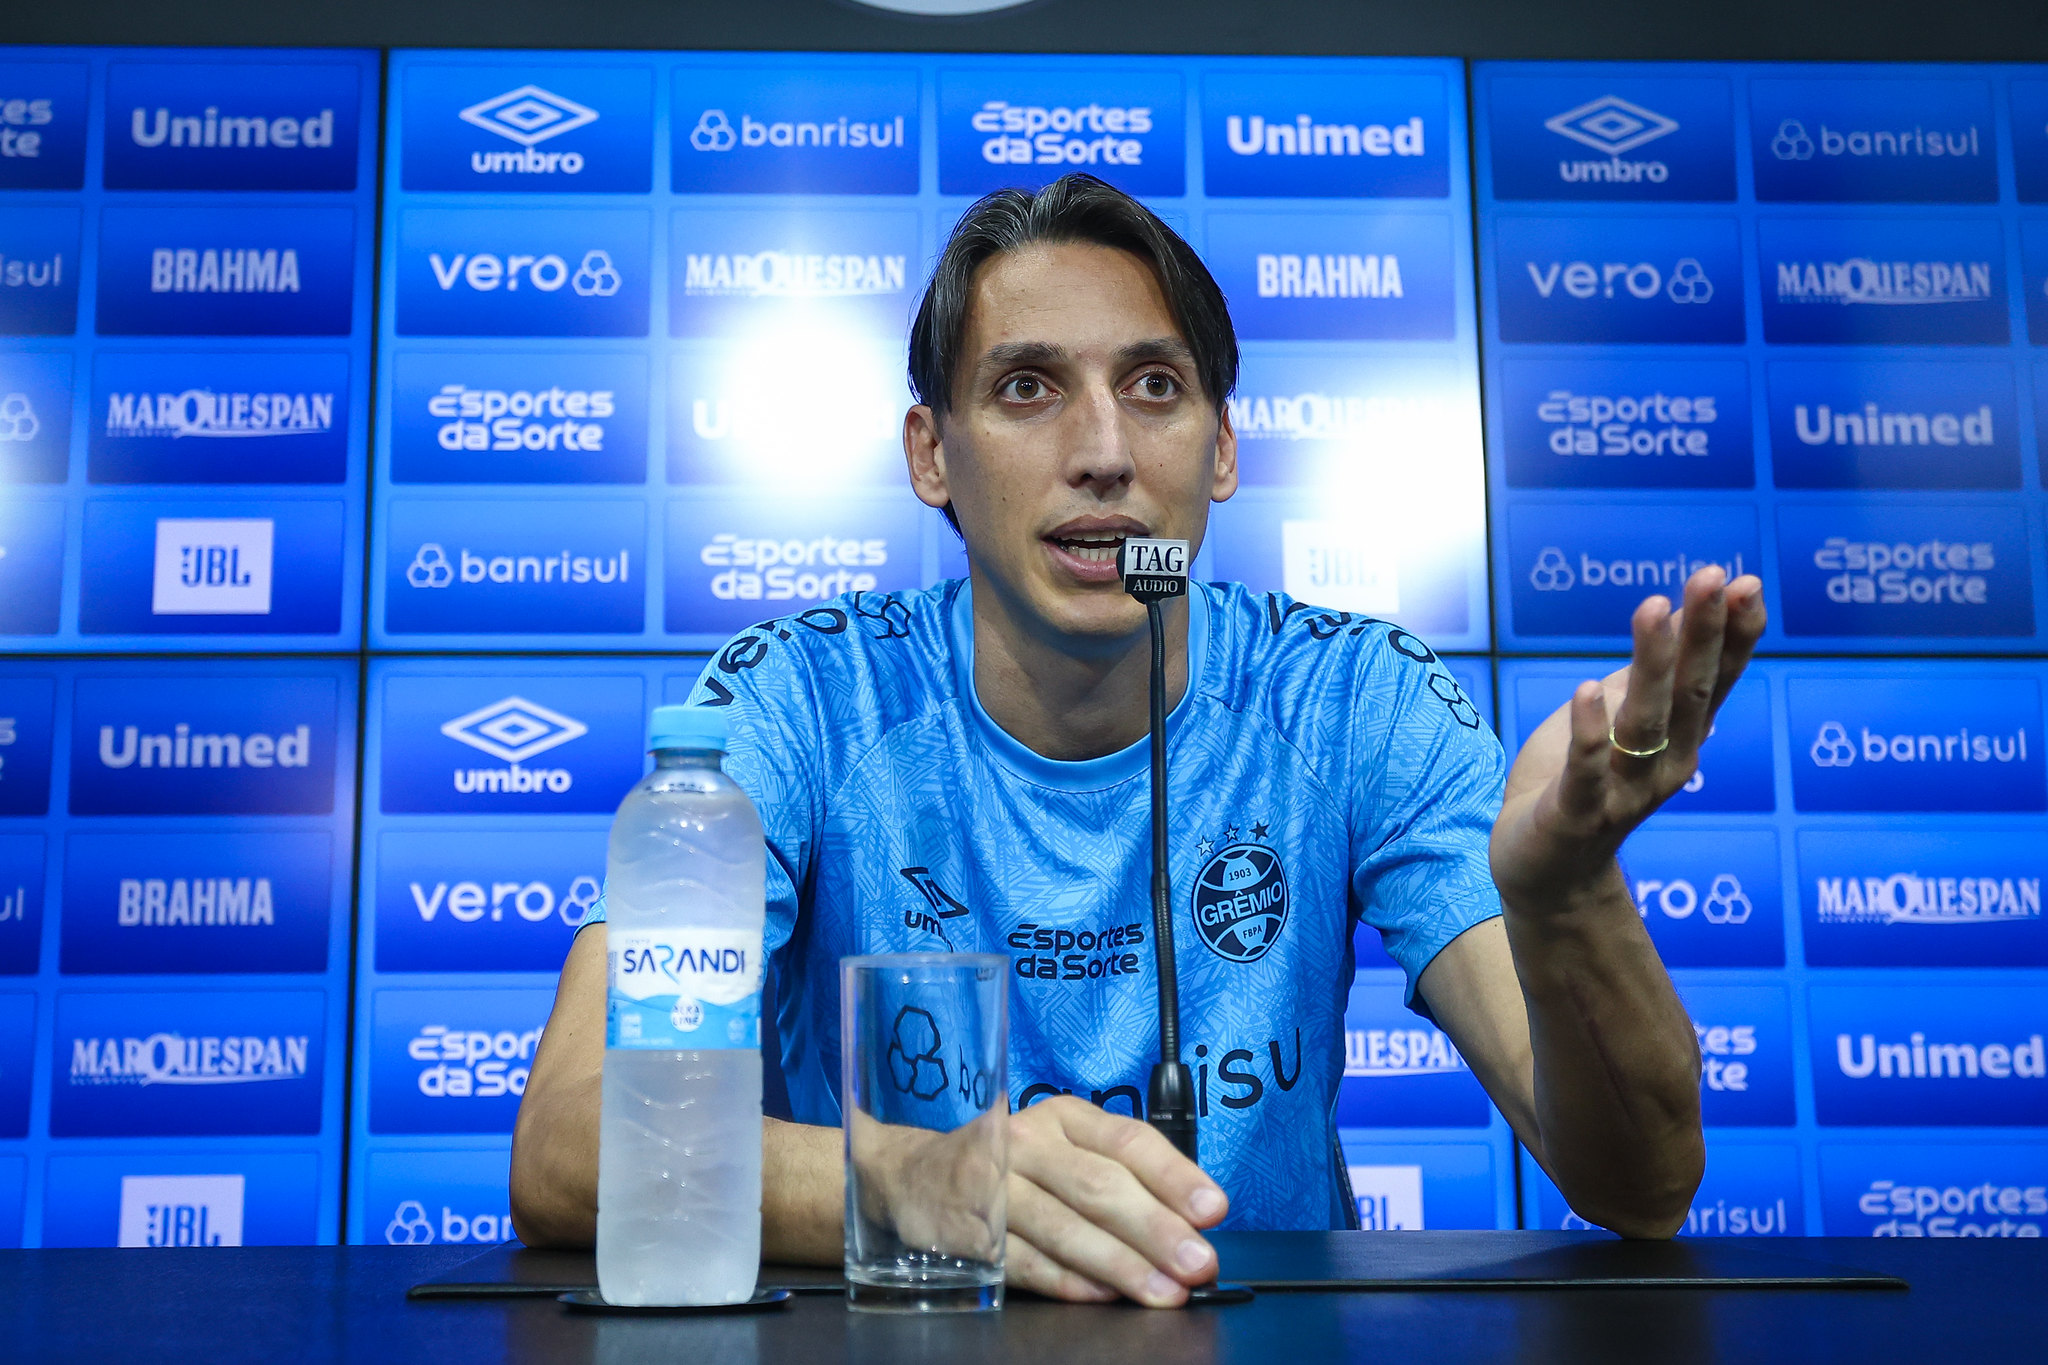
(1616, 1062)
(803, 1193)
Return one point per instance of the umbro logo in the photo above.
(514, 729)
(1611, 124)
(529, 115)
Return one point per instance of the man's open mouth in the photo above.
(1096, 549)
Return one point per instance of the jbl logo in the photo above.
(181, 1211)
(212, 566)
(1155, 569)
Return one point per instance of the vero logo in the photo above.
(514, 729)
(529, 115)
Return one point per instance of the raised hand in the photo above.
(1606, 760)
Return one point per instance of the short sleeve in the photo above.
(771, 741)
(1427, 780)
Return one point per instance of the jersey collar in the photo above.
(1090, 774)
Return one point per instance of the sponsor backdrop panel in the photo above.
(642, 344)
(177, 844)
(1849, 897)
(188, 239)
(1803, 297)
(488, 789)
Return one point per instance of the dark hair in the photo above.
(1073, 208)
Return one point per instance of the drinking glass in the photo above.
(923, 1042)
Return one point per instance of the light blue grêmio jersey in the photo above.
(1323, 767)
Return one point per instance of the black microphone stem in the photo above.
(1170, 1105)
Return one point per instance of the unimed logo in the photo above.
(1863, 1057)
(1929, 1056)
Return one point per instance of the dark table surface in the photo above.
(1969, 1301)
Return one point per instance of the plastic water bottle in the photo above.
(679, 1153)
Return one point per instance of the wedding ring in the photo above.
(1662, 745)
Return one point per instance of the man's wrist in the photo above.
(1569, 902)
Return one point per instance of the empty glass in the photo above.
(923, 1042)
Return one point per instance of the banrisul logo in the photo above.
(818, 130)
(1933, 570)
(39, 272)
(206, 417)
(187, 1063)
(1894, 424)
(508, 743)
(517, 418)
(1352, 135)
(35, 417)
(1963, 898)
(233, 126)
(1028, 126)
(452, 1061)
(489, 568)
(483, 901)
(1628, 425)
(1897, 140)
(1894, 281)
(1616, 280)
(225, 744)
(269, 271)
(1576, 571)
(1893, 741)
(523, 129)
(1927, 1056)
(464, 272)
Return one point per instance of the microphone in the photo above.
(1155, 572)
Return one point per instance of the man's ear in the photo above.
(1226, 459)
(924, 452)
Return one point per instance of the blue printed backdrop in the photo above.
(1779, 319)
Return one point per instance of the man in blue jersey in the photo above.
(964, 768)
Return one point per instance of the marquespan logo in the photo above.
(1910, 898)
(1861, 280)
(1611, 124)
(210, 413)
(179, 1059)
(1241, 902)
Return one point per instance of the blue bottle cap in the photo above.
(687, 727)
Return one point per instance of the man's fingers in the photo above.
(1581, 785)
(1645, 715)
(1701, 629)
(1046, 1219)
(1026, 1267)
(1171, 1178)
(1746, 619)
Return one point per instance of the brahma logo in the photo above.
(528, 116)
(194, 901)
(1612, 125)
(179, 1059)
(1241, 901)
(181, 1211)
(514, 729)
(223, 270)
(1284, 275)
